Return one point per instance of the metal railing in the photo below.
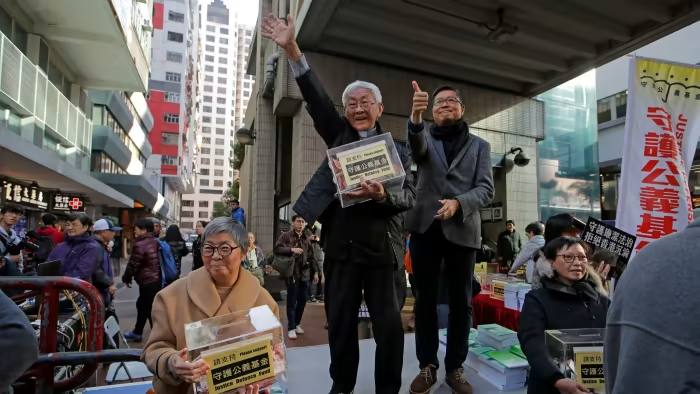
(28, 90)
(48, 289)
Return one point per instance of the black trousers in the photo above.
(144, 304)
(297, 292)
(345, 283)
(428, 251)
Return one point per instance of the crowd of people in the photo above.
(358, 258)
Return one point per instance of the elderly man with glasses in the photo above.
(454, 182)
(363, 243)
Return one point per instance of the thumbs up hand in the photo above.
(420, 103)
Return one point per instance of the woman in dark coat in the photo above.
(197, 261)
(177, 245)
(571, 296)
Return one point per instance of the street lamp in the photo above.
(245, 136)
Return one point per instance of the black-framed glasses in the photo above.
(446, 100)
(224, 250)
(569, 259)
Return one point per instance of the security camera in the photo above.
(520, 159)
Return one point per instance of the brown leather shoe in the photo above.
(424, 381)
(457, 382)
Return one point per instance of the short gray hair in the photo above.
(229, 226)
(361, 85)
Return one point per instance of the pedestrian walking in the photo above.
(144, 266)
(296, 243)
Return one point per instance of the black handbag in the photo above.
(283, 264)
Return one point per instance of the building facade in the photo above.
(172, 99)
(611, 85)
(53, 57)
(223, 90)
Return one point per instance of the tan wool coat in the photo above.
(189, 299)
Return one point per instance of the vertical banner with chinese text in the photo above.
(661, 135)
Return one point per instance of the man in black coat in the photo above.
(454, 183)
(363, 242)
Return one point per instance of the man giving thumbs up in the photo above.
(454, 182)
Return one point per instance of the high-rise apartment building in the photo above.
(172, 98)
(224, 90)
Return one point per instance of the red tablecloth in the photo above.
(486, 310)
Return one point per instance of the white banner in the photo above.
(661, 135)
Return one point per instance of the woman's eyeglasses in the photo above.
(224, 250)
(569, 259)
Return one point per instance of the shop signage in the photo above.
(608, 237)
(67, 203)
(26, 195)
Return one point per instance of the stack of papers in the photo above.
(496, 336)
(506, 369)
(510, 298)
(522, 291)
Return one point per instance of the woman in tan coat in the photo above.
(218, 288)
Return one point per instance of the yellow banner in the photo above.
(239, 364)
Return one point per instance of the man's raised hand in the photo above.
(282, 33)
(420, 103)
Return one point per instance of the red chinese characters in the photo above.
(662, 177)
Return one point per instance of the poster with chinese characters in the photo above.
(589, 368)
(239, 364)
(241, 348)
(608, 237)
(374, 158)
(661, 135)
(26, 195)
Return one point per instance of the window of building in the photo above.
(177, 37)
(223, 30)
(222, 70)
(205, 151)
(187, 214)
(173, 77)
(171, 118)
(168, 160)
(206, 140)
(173, 57)
(220, 131)
(246, 85)
(223, 40)
(246, 93)
(209, 48)
(219, 152)
(223, 51)
(172, 97)
(169, 138)
(221, 90)
(221, 80)
(204, 182)
(621, 104)
(221, 100)
(208, 78)
(206, 129)
(218, 162)
(210, 38)
(203, 215)
(218, 172)
(187, 203)
(211, 28)
(101, 162)
(209, 68)
(176, 16)
(208, 88)
(219, 141)
(204, 204)
(209, 58)
(220, 121)
(207, 99)
(218, 183)
(206, 109)
(205, 161)
(221, 111)
(204, 171)
(206, 119)
(223, 60)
